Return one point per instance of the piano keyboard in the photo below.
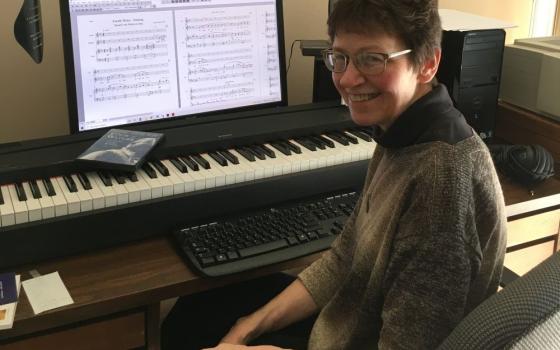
(41, 199)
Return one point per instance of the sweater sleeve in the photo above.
(322, 278)
(432, 262)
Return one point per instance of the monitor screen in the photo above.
(136, 61)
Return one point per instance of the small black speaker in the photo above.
(471, 66)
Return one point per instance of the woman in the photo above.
(426, 242)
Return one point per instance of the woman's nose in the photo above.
(351, 76)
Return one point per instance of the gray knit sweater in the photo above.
(424, 246)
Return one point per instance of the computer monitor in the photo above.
(137, 61)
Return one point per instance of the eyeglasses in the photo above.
(370, 63)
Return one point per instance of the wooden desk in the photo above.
(117, 293)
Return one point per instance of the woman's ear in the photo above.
(429, 68)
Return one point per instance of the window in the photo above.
(544, 18)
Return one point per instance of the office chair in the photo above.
(524, 315)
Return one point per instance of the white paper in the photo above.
(9, 310)
(463, 21)
(47, 292)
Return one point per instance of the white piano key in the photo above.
(120, 191)
(144, 188)
(316, 159)
(176, 182)
(227, 171)
(241, 171)
(86, 202)
(247, 166)
(279, 164)
(33, 205)
(282, 160)
(59, 201)
(199, 179)
(72, 198)
(303, 158)
(187, 180)
(20, 208)
(134, 193)
(97, 197)
(266, 168)
(215, 173)
(7, 215)
(46, 202)
(344, 154)
(155, 184)
(167, 189)
(107, 191)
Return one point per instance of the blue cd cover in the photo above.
(121, 149)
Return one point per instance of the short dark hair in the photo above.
(415, 22)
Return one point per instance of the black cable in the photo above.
(291, 52)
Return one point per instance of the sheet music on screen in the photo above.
(141, 60)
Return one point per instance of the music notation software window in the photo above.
(137, 60)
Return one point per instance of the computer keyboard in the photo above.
(266, 236)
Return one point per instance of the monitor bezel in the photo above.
(72, 98)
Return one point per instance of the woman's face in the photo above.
(377, 99)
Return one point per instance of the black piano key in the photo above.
(270, 153)
(160, 167)
(35, 191)
(368, 131)
(86, 184)
(259, 153)
(149, 171)
(338, 138)
(326, 141)
(70, 183)
(1, 197)
(49, 187)
(229, 156)
(307, 144)
(293, 147)
(132, 176)
(350, 138)
(218, 158)
(105, 178)
(179, 165)
(201, 161)
(282, 148)
(360, 134)
(246, 153)
(189, 162)
(119, 176)
(318, 143)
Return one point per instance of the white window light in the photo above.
(542, 19)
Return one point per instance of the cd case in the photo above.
(120, 149)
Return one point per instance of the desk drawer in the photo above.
(523, 260)
(533, 228)
(118, 333)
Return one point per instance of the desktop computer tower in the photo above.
(470, 67)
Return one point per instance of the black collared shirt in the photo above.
(431, 118)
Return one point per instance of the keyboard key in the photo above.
(229, 156)
(189, 162)
(263, 248)
(218, 158)
(20, 191)
(7, 214)
(70, 184)
(201, 161)
(34, 189)
(49, 187)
